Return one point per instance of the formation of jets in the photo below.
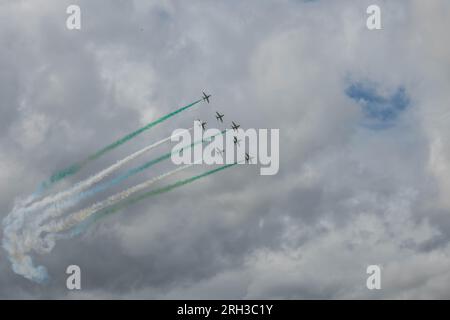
(219, 116)
(234, 126)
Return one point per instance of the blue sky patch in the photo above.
(380, 111)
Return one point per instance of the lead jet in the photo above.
(235, 126)
(219, 116)
(206, 96)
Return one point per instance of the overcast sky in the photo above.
(364, 152)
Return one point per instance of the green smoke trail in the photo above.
(139, 131)
(125, 203)
(163, 157)
(103, 186)
(71, 170)
(75, 198)
(134, 171)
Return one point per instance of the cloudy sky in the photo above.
(364, 152)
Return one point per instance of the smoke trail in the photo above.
(74, 168)
(81, 215)
(74, 199)
(51, 229)
(80, 186)
(21, 244)
(16, 220)
(120, 200)
(20, 239)
(21, 232)
(123, 204)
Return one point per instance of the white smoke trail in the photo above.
(77, 217)
(58, 210)
(20, 239)
(20, 234)
(80, 186)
